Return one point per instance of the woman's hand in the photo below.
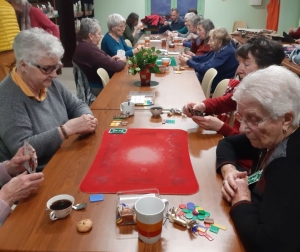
(242, 192)
(81, 125)
(20, 187)
(186, 107)
(189, 53)
(208, 122)
(183, 59)
(15, 165)
(230, 175)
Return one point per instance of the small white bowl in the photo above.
(156, 111)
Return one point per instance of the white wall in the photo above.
(224, 13)
(103, 8)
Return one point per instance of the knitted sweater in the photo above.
(111, 46)
(24, 118)
(9, 27)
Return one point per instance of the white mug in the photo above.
(166, 61)
(127, 108)
(64, 211)
(149, 218)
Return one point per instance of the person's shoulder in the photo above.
(35, 10)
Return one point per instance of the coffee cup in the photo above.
(149, 218)
(176, 39)
(147, 40)
(127, 108)
(166, 61)
(61, 206)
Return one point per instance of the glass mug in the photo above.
(166, 61)
(176, 40)
(147, 40)
(163, 43)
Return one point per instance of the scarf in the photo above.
(25, 18)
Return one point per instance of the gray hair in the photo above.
(189, 15)
(88, 25)
(114, 20)
(34, 44)
(275, 88)
(195, 20)
(220, 34)
(207, 25)
(18, 2)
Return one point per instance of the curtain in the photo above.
(273, 15)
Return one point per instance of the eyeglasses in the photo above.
(250, 123)
(47, 69)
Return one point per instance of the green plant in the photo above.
(142, 59)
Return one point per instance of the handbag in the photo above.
(295, 56)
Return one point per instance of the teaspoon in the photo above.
(79, 206)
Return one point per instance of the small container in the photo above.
(162, 69)
(171, 45)
(156, 111)
(163, 43)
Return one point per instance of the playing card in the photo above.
(29, 165)
(120, 53)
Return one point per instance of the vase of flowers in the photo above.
(144, 62)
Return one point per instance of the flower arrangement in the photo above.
(144, 58)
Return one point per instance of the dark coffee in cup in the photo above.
(60, 204)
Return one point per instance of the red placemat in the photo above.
(142, 158)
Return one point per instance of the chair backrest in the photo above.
(82, 86)
(239, 24)
(103, 75)
(207, 81)
(128, 42)
(221, 88)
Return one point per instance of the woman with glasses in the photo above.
(265, 202)
(256, 53)
(88, 57)
(113, 39)
(34, 105)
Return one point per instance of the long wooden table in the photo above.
(30, 229)
(291, 66)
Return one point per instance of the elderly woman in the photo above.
(33, 17)
(269, 112)
(256, 53)
(184, 32)
(131, 28)
(200, 46)
(113, 40)
(34, 105)
(88, 57)
(221, 57)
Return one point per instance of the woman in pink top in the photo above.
(33, 17)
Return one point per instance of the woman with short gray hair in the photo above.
(113, 41)
(35, 106)
(184, 32)
(32, 16)
(89, 57)
(269, 111)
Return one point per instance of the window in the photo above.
(161, 7)
(184, 5)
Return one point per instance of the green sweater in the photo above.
(183, 30)
(24, 118)
(128, 34)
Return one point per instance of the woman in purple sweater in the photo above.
(88, 57)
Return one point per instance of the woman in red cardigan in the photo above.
(33, 17)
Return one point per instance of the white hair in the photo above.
(189, 15)
(114, 20)
(34, 44)
(18, 2)
(88, 25)
(275, 88)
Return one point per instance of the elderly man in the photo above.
(176, 24)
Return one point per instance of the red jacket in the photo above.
(200, 49)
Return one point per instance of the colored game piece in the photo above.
(201, 229)
(199, 208)
(207, 214)
(186, 210)
(195, 212)
(190, 205)
(208, 237)
(207, 225)
(182, 206)
(202, 212)
(209, 220)
(194, 218)
(189, 215)
(214, 229)
(180, 213)
(219, 226)
(200, 217)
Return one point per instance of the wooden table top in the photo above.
(30, 229)
(291, 66)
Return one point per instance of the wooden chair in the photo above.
(207, 81)
(221, 88)
(128, 42)
(239, 24)
(103, 76)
